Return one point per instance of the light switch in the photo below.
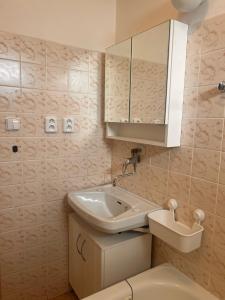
(51, 125)
(12, 124)
(68, 124)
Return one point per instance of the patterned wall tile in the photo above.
(203, 194)
(210, 103)
(33, 76)
(208, 133)
(196, 169)
(9, 46)
(35, 180)
(206, 164)
(9, 72)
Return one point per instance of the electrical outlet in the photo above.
(68, 124)
(51, 125)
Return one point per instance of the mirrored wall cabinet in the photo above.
(144, 85)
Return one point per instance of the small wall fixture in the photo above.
(221, 86)
(187, 5)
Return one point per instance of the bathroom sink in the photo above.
(111, 209)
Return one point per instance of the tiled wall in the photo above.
(37, 79)
(195, 173)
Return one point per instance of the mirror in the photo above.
(150, 51)
(117, 82)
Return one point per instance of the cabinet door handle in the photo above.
(82, 248)
(78, 238)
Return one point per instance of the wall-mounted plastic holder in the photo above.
(51, 125)
(162, 224)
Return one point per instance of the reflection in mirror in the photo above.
(149, 75)
(117, 82)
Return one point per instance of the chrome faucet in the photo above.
(133, 160)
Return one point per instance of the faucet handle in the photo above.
(136, 152)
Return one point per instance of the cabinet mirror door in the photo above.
(149, 75)
(117, 82)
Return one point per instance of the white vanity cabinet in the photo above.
(98, 260)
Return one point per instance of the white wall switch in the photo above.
(68, 124)
(51, 125)
(12, 124)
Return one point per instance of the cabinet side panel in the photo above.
(127, 259)
(176, 77)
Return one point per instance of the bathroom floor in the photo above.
(68, 296)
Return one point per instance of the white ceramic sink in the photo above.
(111, 209)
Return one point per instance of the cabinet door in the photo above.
(117, 82)
(76, 269)
(92, 266)
(150, 52)
(84, 261)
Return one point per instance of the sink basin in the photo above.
(111, 209)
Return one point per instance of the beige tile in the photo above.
(11, 240)
(12, 262)
(220, 207)
(210, 102)
(78, 81)
(192, 71)
(212, 67)
(33, 76)
(218, 260)
(159, 157)
(32, 50)
(187, 132)
(190, 102)
(9, 195)
(217, 285)
(158, 179)
(10, 173)
(180, 160)
(179, 187)
(203, 195)
(79, 59)
(219, 232)
(10, 72)
(54, 102)
(213, 34)
(8, 96)
(222, 169)
(35, 236)
(33, 193)
(24, 187)
(58, 285)
(10, 219)
(208, 133)
(96, 83)
(206, 164)
(33, 148)
(33, 170)
(223, 142)
(30, 101)
(57, 79)
(56, 54)
(9, 46)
